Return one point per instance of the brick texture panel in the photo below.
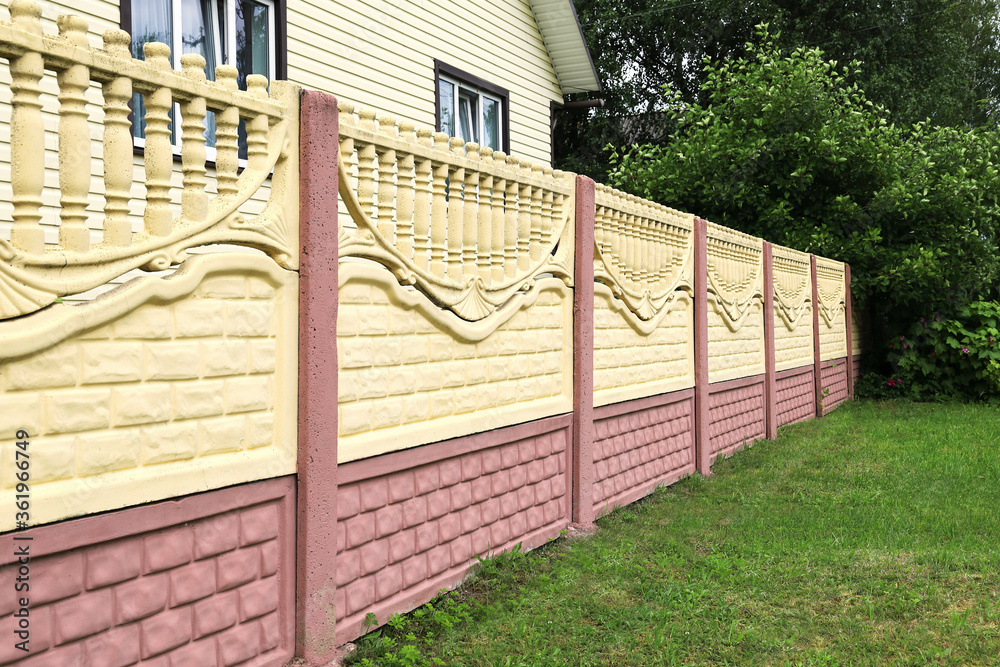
(639, 449)
(397, 369)
(834, 382)
(736, 416)
(404, 535)
(793, 347)
(856, 360)
(832, 338)
(623, 357)
(213, 590)
(177, 391)
(796, 398)
(734, 354)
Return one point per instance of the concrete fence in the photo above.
(441, 352)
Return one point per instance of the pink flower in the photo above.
(965, 350)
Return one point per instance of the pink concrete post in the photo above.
(583, 357)
(316, 541)
(770, 376)
(702, 434)
(850, 333)
(817, 364)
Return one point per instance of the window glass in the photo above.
(200, 33)
(491, 123)
(470, 112)
(152, 21)
(468, 115)
(252, 39)
(446, 102)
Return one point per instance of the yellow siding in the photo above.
(739, 353)
(628, 364)
(405, 382)
(380, 55)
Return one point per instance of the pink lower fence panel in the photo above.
(640, 445)
(856, 361)
(796, 395)
(834, 377)
(411, 522)
(736, 415)
(202, 580)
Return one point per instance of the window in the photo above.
(471, 108)
(244, 33)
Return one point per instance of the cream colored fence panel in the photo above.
(855, 333)
(164, 386)
(643, 317)
(793, 325)
(830, 284)
(735, 304)
(455, 302)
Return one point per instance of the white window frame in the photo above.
(177, 50)
(459, 86)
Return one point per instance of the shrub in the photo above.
(951, 357)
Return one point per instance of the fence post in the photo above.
(702, 439)
(583, 356)
(316, 537)
(848, 324)
(817, 364)
(770, 379)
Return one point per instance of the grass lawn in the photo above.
(869, 537)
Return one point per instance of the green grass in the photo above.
(870, 537)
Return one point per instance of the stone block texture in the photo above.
(168, 399)
(832, 337)
(410, 523)
(735, 354)
(736, 415)
(834, 383)
(629, 364)
(796, 396)
(207, 580)
(640, 445)
(793, 342)
(404, 382)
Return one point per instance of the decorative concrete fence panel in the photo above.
(455, 288)
(834, 332)
(164, 389)
(643, 347)
(793, 335)
(736, 345)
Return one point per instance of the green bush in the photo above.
(950, 357)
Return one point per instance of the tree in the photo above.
(786, 147)
(920, 59)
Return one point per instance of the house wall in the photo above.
(380, 55)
